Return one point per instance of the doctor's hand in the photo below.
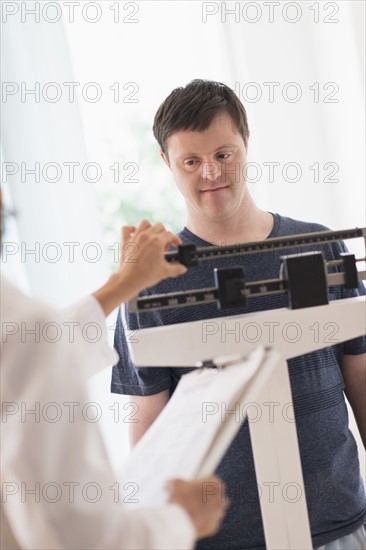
(204, 500)
(142, 256)
(142, 264)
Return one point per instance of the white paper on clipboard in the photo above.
(192, 433)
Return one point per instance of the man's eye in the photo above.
(190, 162)
(224, 156)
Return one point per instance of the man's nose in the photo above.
(211, 171)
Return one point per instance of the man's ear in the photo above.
(165, 159)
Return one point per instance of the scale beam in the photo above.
(295, 272)
(190, 255)
(254, 289)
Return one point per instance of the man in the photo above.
(203, 134)
(58, 488)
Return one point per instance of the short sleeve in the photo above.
(127, 378)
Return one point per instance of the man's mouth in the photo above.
(214, 189)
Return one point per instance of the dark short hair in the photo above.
(194, 107)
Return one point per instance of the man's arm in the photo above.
(354, 374)
(148, 408)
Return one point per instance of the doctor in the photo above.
(58, 489)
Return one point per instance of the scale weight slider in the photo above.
(306, 279)
(230, 287)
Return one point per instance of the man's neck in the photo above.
(248, 224)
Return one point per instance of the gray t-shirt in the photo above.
(334, 488)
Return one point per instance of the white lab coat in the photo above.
(55, 452)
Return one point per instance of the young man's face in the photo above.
(209, 168)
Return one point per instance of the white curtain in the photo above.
(46, 137)
(58, 219)
(303, 86)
